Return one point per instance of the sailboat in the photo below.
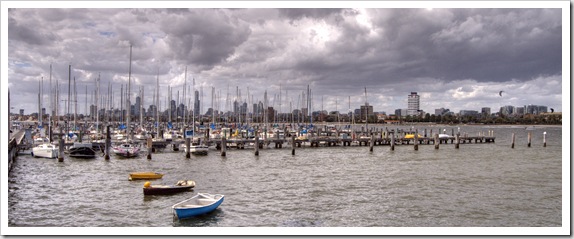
(126, 149)
(45, 149)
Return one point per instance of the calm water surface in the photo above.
(474, 186)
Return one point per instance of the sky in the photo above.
(454, 58)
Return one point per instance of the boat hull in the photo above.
(45, 151)
(166, 190)
(195, 210)
(82, 152)
(145, 176)
(126, 151)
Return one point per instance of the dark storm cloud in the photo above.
(204, 37)
(316, 13)
(338, 52)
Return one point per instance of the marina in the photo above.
(477, 184)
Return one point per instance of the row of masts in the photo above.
(98, 99)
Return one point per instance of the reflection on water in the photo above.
(474, 186)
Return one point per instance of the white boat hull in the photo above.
(45, 151)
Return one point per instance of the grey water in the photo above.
(476, 185)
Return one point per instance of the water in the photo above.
(477, 185)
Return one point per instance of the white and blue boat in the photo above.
(201, 203)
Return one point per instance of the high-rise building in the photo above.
(413, 104)
(507, 110)
(137, 107)
(485, 111)
(196, 103)
(366, 111)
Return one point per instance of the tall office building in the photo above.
(414, 104)
(196, 103)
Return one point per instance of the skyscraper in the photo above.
(414, 104)
(196, 103)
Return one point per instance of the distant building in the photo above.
(401, 113)
(441, 112)
(507, 110)
(518, 110)
(21, 112)
(196, 103)
(413, 104)
(535, 109)
(468, 113)
(485, 111)
(366, 111)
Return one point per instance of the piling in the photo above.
(293, 145)
(529, 139)
(392, 141)
(544, 138)
(457, 141)
(416, 143)
(436, 141)
(513, 137)
(256, 144)
(223, 146)
(149, 148)
(187, 150)
(372, 143)
(61, 149)
(108, 143)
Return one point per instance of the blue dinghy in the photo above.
(199, 204)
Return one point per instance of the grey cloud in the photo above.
(204, 37)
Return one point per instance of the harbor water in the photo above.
(476, 185)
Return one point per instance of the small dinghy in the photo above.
(199, 204)
(144, 175)
(180, 186)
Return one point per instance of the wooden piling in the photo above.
(187, 149)
(372, 142)
(544, 139)
(149, 145)
(293, 145)
(223, 146)
(513, 137)
(436, 141)
(392, 141)
(108, 142)
(256, 144)
(529, 139)
(61, 149)
(457, 141)
(416, 143)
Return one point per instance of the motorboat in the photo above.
(180, 186)
(126, 150)
(45, 150)
(199, 204)
(443, 136)
(197, 149)
(82, 150)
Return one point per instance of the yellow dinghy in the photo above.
(412, 136)
(144, 175)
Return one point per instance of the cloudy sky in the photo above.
(455, 58)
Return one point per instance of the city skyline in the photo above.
(459, 59)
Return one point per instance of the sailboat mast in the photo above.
(68, 107)
(128, 100)
(184, 95)
(76, 106)
(157, 105)
(40, 103)
(98, 103)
